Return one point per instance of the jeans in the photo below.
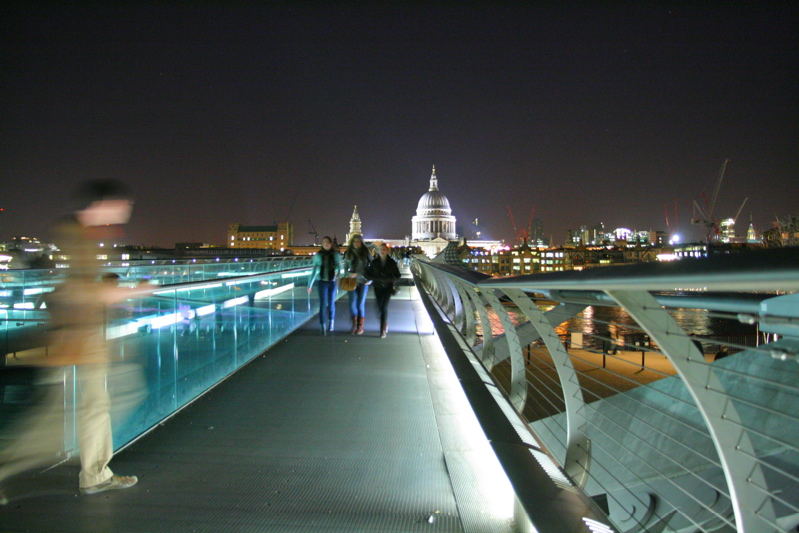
(383, 295)
(358, 301)
(327, 302)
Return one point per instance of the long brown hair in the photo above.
(352, 251)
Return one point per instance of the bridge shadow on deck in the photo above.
(332, 433)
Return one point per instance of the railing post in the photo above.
(487, 352)
(518, 376)
(468, 327)
(457, 303)
(442, 294)
(753, 509)
(578, 445)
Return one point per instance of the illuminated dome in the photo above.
(433, 201)
(433, 215)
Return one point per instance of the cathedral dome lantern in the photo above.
(433, 202)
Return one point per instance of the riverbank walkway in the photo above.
(335, 433)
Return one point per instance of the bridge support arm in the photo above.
(754, 512)
(518, 373)
(578, 446)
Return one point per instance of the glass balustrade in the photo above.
(169, 344)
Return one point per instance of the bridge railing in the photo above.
(668, 393)
(23, 292)
(168, 343)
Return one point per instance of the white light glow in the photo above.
(206, 310)
(296, 274)
(493, 490)
(235, 301)
(240, 282)
(266, 293)
(192, 288)
(597, 527)
(37, 290)
(166, 320)
(23, 305)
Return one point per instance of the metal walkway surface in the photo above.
(335, 433)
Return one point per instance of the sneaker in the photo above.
(116, 482)
(332, 327)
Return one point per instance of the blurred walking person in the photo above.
(384, 273)
(77, 337)
(327, 267)
(356, 260)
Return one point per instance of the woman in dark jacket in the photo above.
(384, 273)
(356, 260)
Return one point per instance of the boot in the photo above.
(361, 320)
(323, 329)
(331, 327)
(354, 325)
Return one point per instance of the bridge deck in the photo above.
(334, 433)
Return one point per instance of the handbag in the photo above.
(347, 284)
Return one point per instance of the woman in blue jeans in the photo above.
(356, 261)
(326, 267)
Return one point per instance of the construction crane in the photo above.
(671, 215)
(738, 213)
(512, 221)
(707, 217)
(704, 217)
(523, 233)
(313, 232)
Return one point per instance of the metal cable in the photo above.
(606, 469)
(750, 403)
(659, 431)
(636, 476)
(665, 477)
(625, 378)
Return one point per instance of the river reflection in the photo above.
(597, 324)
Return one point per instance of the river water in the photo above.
(600, 323)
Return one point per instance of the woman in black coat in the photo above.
(384, 273)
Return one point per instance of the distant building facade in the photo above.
(276, 237)
(784, 232)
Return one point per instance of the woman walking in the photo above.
(326, 267)
(356, 260)
(384, 273)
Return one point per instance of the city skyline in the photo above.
(257, 115)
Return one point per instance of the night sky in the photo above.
(216, 115)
